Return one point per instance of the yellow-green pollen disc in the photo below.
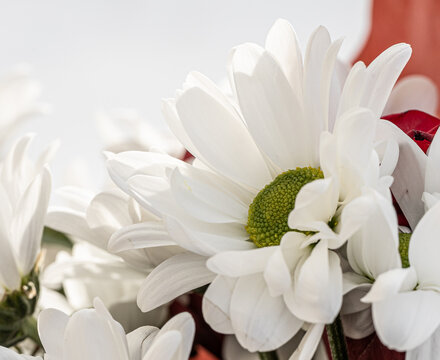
(268, 213)
(403, 248)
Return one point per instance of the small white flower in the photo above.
(92, 334)
(406, 302)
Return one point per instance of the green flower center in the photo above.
(403, 248)
(268, 213)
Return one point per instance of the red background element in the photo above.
(416, 22)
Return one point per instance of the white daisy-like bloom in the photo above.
(293, 149)
(124, 129)
(19, 94)
(90, 272)
(406, 302)
(25, 186)
(92, 334)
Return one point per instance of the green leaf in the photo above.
(53, 237)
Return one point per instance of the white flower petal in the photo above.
(432, 175)
(374, 248)
(428, 350)
(316, 295)
(139, 236)
(282, 43)
(309, 343)
(172, 278)
(209, 239)
(413, 92)
(240, 263)
(216, 304)
(408, 319)
(109, 208)
(164, 347)
(316, 201)
(199, 193)
(424, 247)
(390, 283)
(260, 322)
(185, 324)
(51, 327)
(409, 175)
(28, 223)
(7, 354)
(136, 338)
(382, 74)
(272, 110)
(277, 273)
(222, 138)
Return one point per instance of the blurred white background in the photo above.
(97, 55)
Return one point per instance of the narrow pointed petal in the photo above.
(408, 319)
(260, 322)
(413, 92)
(316, 295)
(309, 343)
(227, 131)
(272, 110)
(216, 304)
(282, 43)
(424, 247)
(240, 263)
(172, 278)
(51, 326)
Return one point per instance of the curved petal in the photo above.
(136, 338)
(139, 236)
(413, 92)
(260, 322)
(216, 304)
(185, 325)
(172, 278)
(272, 111)
(165, 347)
(374, 248)
(428, 350)
(316, 295)
(409, 174)
(408, 319)
(240, 263)
(282, 43)
(432, 175)
(223, 140)
(423, 248)
(204, 198)
(51, 327)
(309, 343)
(315, 202)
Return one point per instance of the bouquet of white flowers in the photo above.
(300, 222)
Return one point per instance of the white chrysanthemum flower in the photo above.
(92, 334)
(24, 191)
(124, 129)
(298, 138)
(406, 302)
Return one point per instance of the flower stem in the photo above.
(271, 355)
(30, 329)
(336, 340)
